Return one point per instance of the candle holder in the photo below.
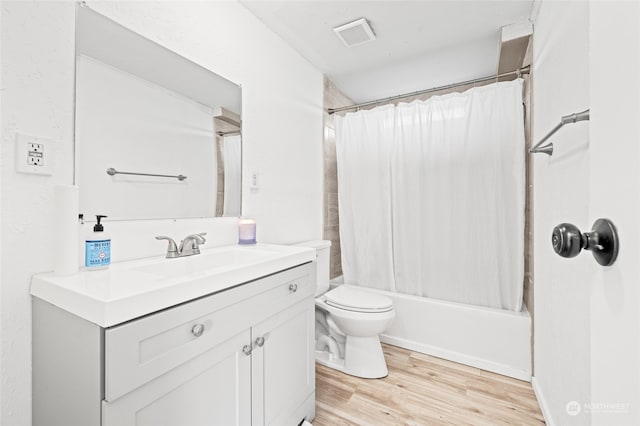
(247, 231)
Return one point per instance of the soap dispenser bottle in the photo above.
(97, 247)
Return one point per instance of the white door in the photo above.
(209, 390)
(614, 44)
(283, 368)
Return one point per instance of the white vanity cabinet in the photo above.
(283, 367)
(243, 356)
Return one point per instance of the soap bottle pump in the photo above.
(97, 247)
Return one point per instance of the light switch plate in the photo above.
(34, 155)
(253, 180)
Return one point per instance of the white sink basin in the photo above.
(127, 290)
(229, 257)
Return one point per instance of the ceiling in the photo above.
(420, 43)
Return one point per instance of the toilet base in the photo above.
(363, 358)
(325, 358)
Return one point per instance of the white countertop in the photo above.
(127, 290)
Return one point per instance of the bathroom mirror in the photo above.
(156, 135)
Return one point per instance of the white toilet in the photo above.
(348, 322)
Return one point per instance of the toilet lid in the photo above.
(349, 298)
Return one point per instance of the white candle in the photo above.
(247, 231)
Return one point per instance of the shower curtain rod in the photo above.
(229, 133)
(518, 72)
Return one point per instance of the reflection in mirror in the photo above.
(153, 117)
(229, 154)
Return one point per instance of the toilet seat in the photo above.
(343, 297)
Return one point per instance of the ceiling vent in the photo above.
(355, 33)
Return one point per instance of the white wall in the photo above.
(615, 193)
(37, 98)
(282, 127)
(1, 171)
(560, 82)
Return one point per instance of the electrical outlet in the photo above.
(35, 147)
(35, 161)
(35, 154)
(30, 155)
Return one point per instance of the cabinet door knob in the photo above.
(247, 349)
(197, 330)
(293, 287)
(260, 341)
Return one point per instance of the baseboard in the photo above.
(542, 402)
(505, 370)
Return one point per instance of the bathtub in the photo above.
(491, 339)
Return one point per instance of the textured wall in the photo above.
(37, 98)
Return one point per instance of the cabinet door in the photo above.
(211, 389)
(283, 369)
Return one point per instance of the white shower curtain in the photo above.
(451, 177)
(364, 197)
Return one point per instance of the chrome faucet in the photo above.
(190, 245)
(172, 249)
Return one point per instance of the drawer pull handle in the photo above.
(247, 349)
(197, 330)
(293, 287)
(260, 342)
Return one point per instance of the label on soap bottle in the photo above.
(97, 253)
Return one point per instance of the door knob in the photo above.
(602, 241)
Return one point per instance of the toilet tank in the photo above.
(323, 249)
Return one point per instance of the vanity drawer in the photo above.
(137, 352)
(143, 349)
(288, 292)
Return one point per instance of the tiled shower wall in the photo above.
(334, 98)
(220, 167)
(528, 218)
